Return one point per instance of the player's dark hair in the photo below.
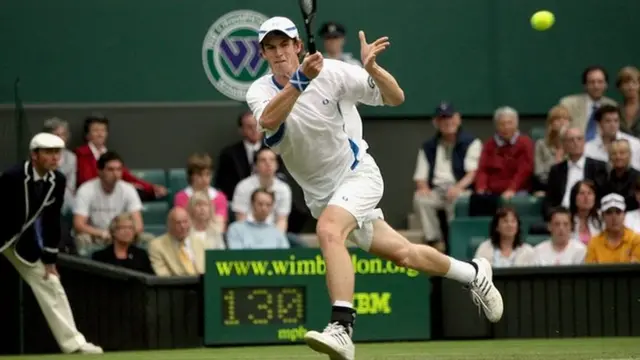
(590, 69)
(107, 157)
(94, 118)
(561, 210)
(494, 235)
(262, 191)
(604, 110)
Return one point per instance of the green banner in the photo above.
(479, 54)
(276, 296)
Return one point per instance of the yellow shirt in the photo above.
(600, 251)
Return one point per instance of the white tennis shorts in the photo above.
(359, 193)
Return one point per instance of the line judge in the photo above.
(32, 196)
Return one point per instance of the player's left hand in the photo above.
(50, 269)
(369, 52)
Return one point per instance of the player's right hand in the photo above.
(312, 65)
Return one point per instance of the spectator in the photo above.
(616, 244)
(608, 119)
(236, 161)
(506, 162)
(67, 165)
(583, 106)
(122, 252)
(576, 167)
(550, 151)
(622, 177)
(562, 248)
(96, 130)
(266, 165)
(333, 35)
(99, 200)
(256, 232)
(176, 253)
(505, 247)
(445, 169)
(204, 225)
(632, 218)
(199, 168)
(584, 211)
(628, 84)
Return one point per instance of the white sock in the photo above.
(461, 271)
(344, 304)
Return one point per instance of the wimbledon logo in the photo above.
(231, 53)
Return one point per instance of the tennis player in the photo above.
(298, 107)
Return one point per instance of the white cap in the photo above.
(278, 23)
(46, 141)
(612, 201)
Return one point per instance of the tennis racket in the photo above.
(309, 8)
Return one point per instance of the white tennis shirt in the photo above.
(321, 139)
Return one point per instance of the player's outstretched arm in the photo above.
(392, 93)
(276, 112)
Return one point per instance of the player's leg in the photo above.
(477, 275)
(333, 227)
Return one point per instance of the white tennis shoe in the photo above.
(333, 341)
(484, 294)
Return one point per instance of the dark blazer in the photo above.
(594, 170)
(137, 260)
(624, 185)
(20, 208)
(233, 166)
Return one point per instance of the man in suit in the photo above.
(564, 175)
(236, 161)
(582, 106)
(32, 198)
(176, 253)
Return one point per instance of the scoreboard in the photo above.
(276, 296)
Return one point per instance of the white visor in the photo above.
(278, 23)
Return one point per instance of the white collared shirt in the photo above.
(97, 152)
(251, 149)
(595, 149)
(36, 176)
(575, 173)
(186, 244)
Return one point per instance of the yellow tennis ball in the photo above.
(542, 20)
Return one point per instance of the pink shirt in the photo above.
(218, 200)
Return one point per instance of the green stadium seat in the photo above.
(473, 245)
(155, 229)
(177, 180)
(534, 240)
(463, 230)
(537, 133)
(461, 206)
(87, 251)
(154, 176)
(155, 213)
(525, 205)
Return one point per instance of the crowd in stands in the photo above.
(246, 207)
(580, 174)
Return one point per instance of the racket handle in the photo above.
(312, 47)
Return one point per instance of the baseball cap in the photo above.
(46, 141)
(445, 109)
(332, 30)
(612, 201)
(278, 23)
